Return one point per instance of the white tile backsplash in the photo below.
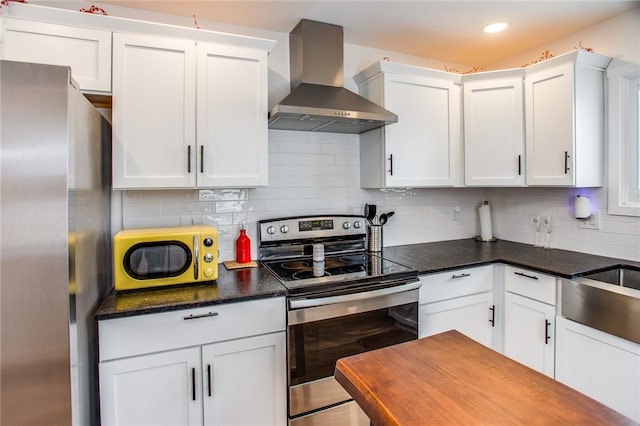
(512, 209)
(319, 173)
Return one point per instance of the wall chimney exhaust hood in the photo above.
(318, 102)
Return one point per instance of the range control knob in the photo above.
(357, 224)
(284, 229)
(208, 242)
(208, 272)
(208, 257)
(346, 225)
(271, 230)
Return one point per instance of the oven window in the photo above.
(157, 260)
(315, 347)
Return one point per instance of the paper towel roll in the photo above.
(485, 222)
(581, 207)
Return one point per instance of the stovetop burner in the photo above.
(294, 270)
(338, 270)
(286, 247)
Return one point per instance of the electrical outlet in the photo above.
(592, 222)
(455, 213)
(534, 219)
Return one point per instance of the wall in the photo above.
(318, 173)
(309, 173)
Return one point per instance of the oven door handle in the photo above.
(330, 300)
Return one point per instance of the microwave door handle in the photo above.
(196, 255)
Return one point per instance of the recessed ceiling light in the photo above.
(495, 28)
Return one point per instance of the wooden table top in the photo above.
(450, 379)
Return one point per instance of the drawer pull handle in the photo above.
(526, 276)
(493, 315)
(547, 323)
(209, 378)
(207, 315)
(455, 277)
(193, 383)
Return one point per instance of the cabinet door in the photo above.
(472, 315)
(529, 332)
(602, 366)
(549, 106)
(232, 116)
(86, 51)
(494, 133)
(420, 148)
(154, 100)
(245, 381)
(153, 390)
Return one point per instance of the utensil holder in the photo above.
(374, 238)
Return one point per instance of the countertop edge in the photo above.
(426, 258)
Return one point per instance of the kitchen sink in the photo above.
(607, 300)
(625, 277)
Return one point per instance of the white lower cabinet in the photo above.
(245, 381)
(529, 319)
(155, 389)
(602, 366)
(459, 300)
(233, 371)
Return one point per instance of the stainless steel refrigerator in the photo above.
(54, 246)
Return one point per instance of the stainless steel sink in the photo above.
(625, 277)
(608, 301)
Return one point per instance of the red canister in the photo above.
(243, 247)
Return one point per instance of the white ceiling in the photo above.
(444, 30)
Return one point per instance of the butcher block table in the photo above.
(450, 379)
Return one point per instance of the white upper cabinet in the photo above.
(154, 121)
(162, 87)
(232, 119)
(564, 110)
(422, 149)
(86, 51)
(494, 128)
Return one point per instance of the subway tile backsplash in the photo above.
(315, 173)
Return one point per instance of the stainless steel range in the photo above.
(342, 301)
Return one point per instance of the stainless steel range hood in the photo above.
(318, 102)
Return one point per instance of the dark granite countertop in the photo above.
(427, 258)
(445, 255)
(231, 286)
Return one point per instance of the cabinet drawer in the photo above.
(533, 285)
(456, 283)
(123, 337)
